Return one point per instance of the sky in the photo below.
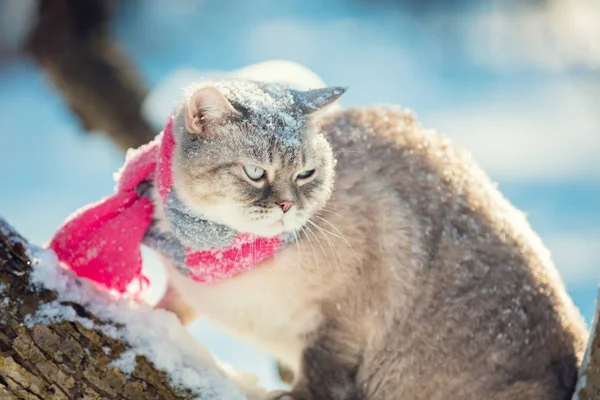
(517, 87)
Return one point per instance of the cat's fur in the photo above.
(418, 280)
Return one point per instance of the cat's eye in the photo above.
(306, 174)
(254, 173)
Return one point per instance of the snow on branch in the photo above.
(63, 338)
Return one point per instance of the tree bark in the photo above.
(588, 385)
(62, 360)
(95, 78)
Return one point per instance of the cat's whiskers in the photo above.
(331, 233)
(297, 241)
(321, 230)
(340, 233)
(314, 253)
(345, 219)
(309, 230)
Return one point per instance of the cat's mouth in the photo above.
(279, 224)
(282, 225)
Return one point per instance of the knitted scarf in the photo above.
(102, 241)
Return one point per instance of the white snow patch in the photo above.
(155, 334)
(126, 362)
(163, 99)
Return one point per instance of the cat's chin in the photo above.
(271, 230)
(274, 229)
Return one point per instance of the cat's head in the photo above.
(249, 155)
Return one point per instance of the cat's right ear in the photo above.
(314, 100)
(206, 105)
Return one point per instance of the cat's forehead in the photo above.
(269, 109)
(263, 97)
(271, 150)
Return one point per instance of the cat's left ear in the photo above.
(204, 106)
(310, 101)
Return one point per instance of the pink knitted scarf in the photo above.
(102, 241)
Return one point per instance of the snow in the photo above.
(9, 232)
(126, 362)
(155, 334)
(271, 108)
(163, 98)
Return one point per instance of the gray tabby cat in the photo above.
(411, 277)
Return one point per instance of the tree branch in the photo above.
(71, 358)
(588, 384)
(96, 79)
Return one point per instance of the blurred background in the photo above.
(517, 83)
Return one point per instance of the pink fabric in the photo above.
(102, 241)
(164, 180)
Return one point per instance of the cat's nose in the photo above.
(286, 205)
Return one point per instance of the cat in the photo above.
(409, 276)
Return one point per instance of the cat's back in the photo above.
(390, 143)
(492, 288)
(426, 169)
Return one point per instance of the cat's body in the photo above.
(417, 280)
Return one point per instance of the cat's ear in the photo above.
(206, 105)
(314, 100)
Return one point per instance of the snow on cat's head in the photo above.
(249, 156)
